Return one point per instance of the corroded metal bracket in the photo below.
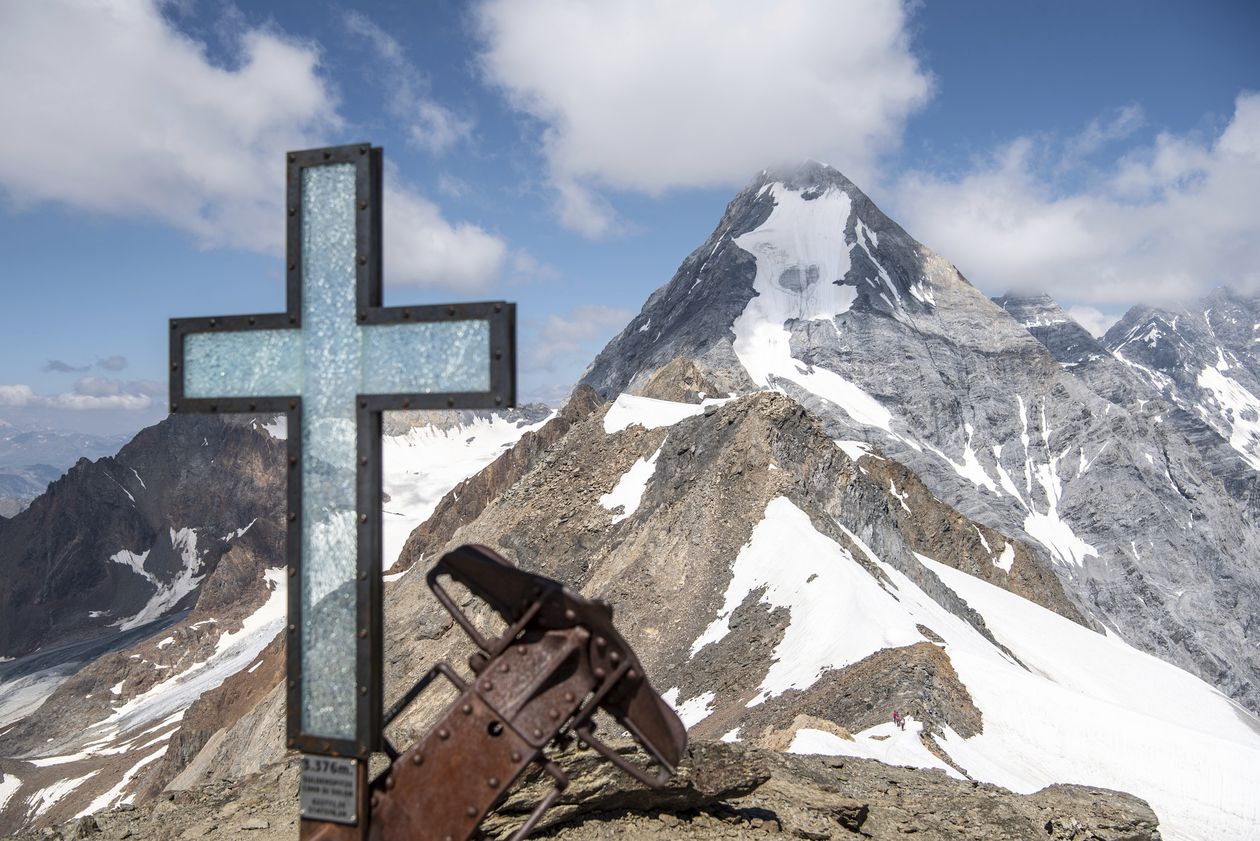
(539, 683)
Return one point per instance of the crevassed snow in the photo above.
(9, 784)
(817, 582)
(183, 541)
(650, 413)
(423, 464)
(23, 695)
(886, 742)
(800, 251)
(1236, 413)
(629, 489)
(1090, 709)
(693, 710)
(232, 653)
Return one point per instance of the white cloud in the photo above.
(1092, 319)
(430, 125)
(16, 395)
(89, 393)
(1160, 224)
(566, 341)
(110, 109)
(423, 248)
(649, 95)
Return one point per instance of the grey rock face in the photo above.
(1129, 381)
(62, 577)
(925, 367)
(1203, 360)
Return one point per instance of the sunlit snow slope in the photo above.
(423, 464)
(1076, 707)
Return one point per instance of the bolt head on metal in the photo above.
(417, 759)
(444, 734)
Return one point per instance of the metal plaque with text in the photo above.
(329, 789)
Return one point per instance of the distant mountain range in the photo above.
(31, 457)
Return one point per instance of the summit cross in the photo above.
(333, 362)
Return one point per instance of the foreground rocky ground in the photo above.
(722, 791)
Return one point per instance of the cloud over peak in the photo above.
(650, 95)
(1160, 223)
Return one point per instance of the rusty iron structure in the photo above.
(539, 683)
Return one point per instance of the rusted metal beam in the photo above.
(559, 661)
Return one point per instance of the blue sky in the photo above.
(569, 155)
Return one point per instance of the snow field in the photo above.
(650, 413)
(1237, 413)
(886, 742)
(1083, 708)
(233, 652)
(817, 580)
(800, 250)
(693, 710)
(9, 784)
(629, 489)
(425, 463)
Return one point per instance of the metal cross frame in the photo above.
(285, 330)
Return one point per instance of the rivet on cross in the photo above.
(333, 362)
